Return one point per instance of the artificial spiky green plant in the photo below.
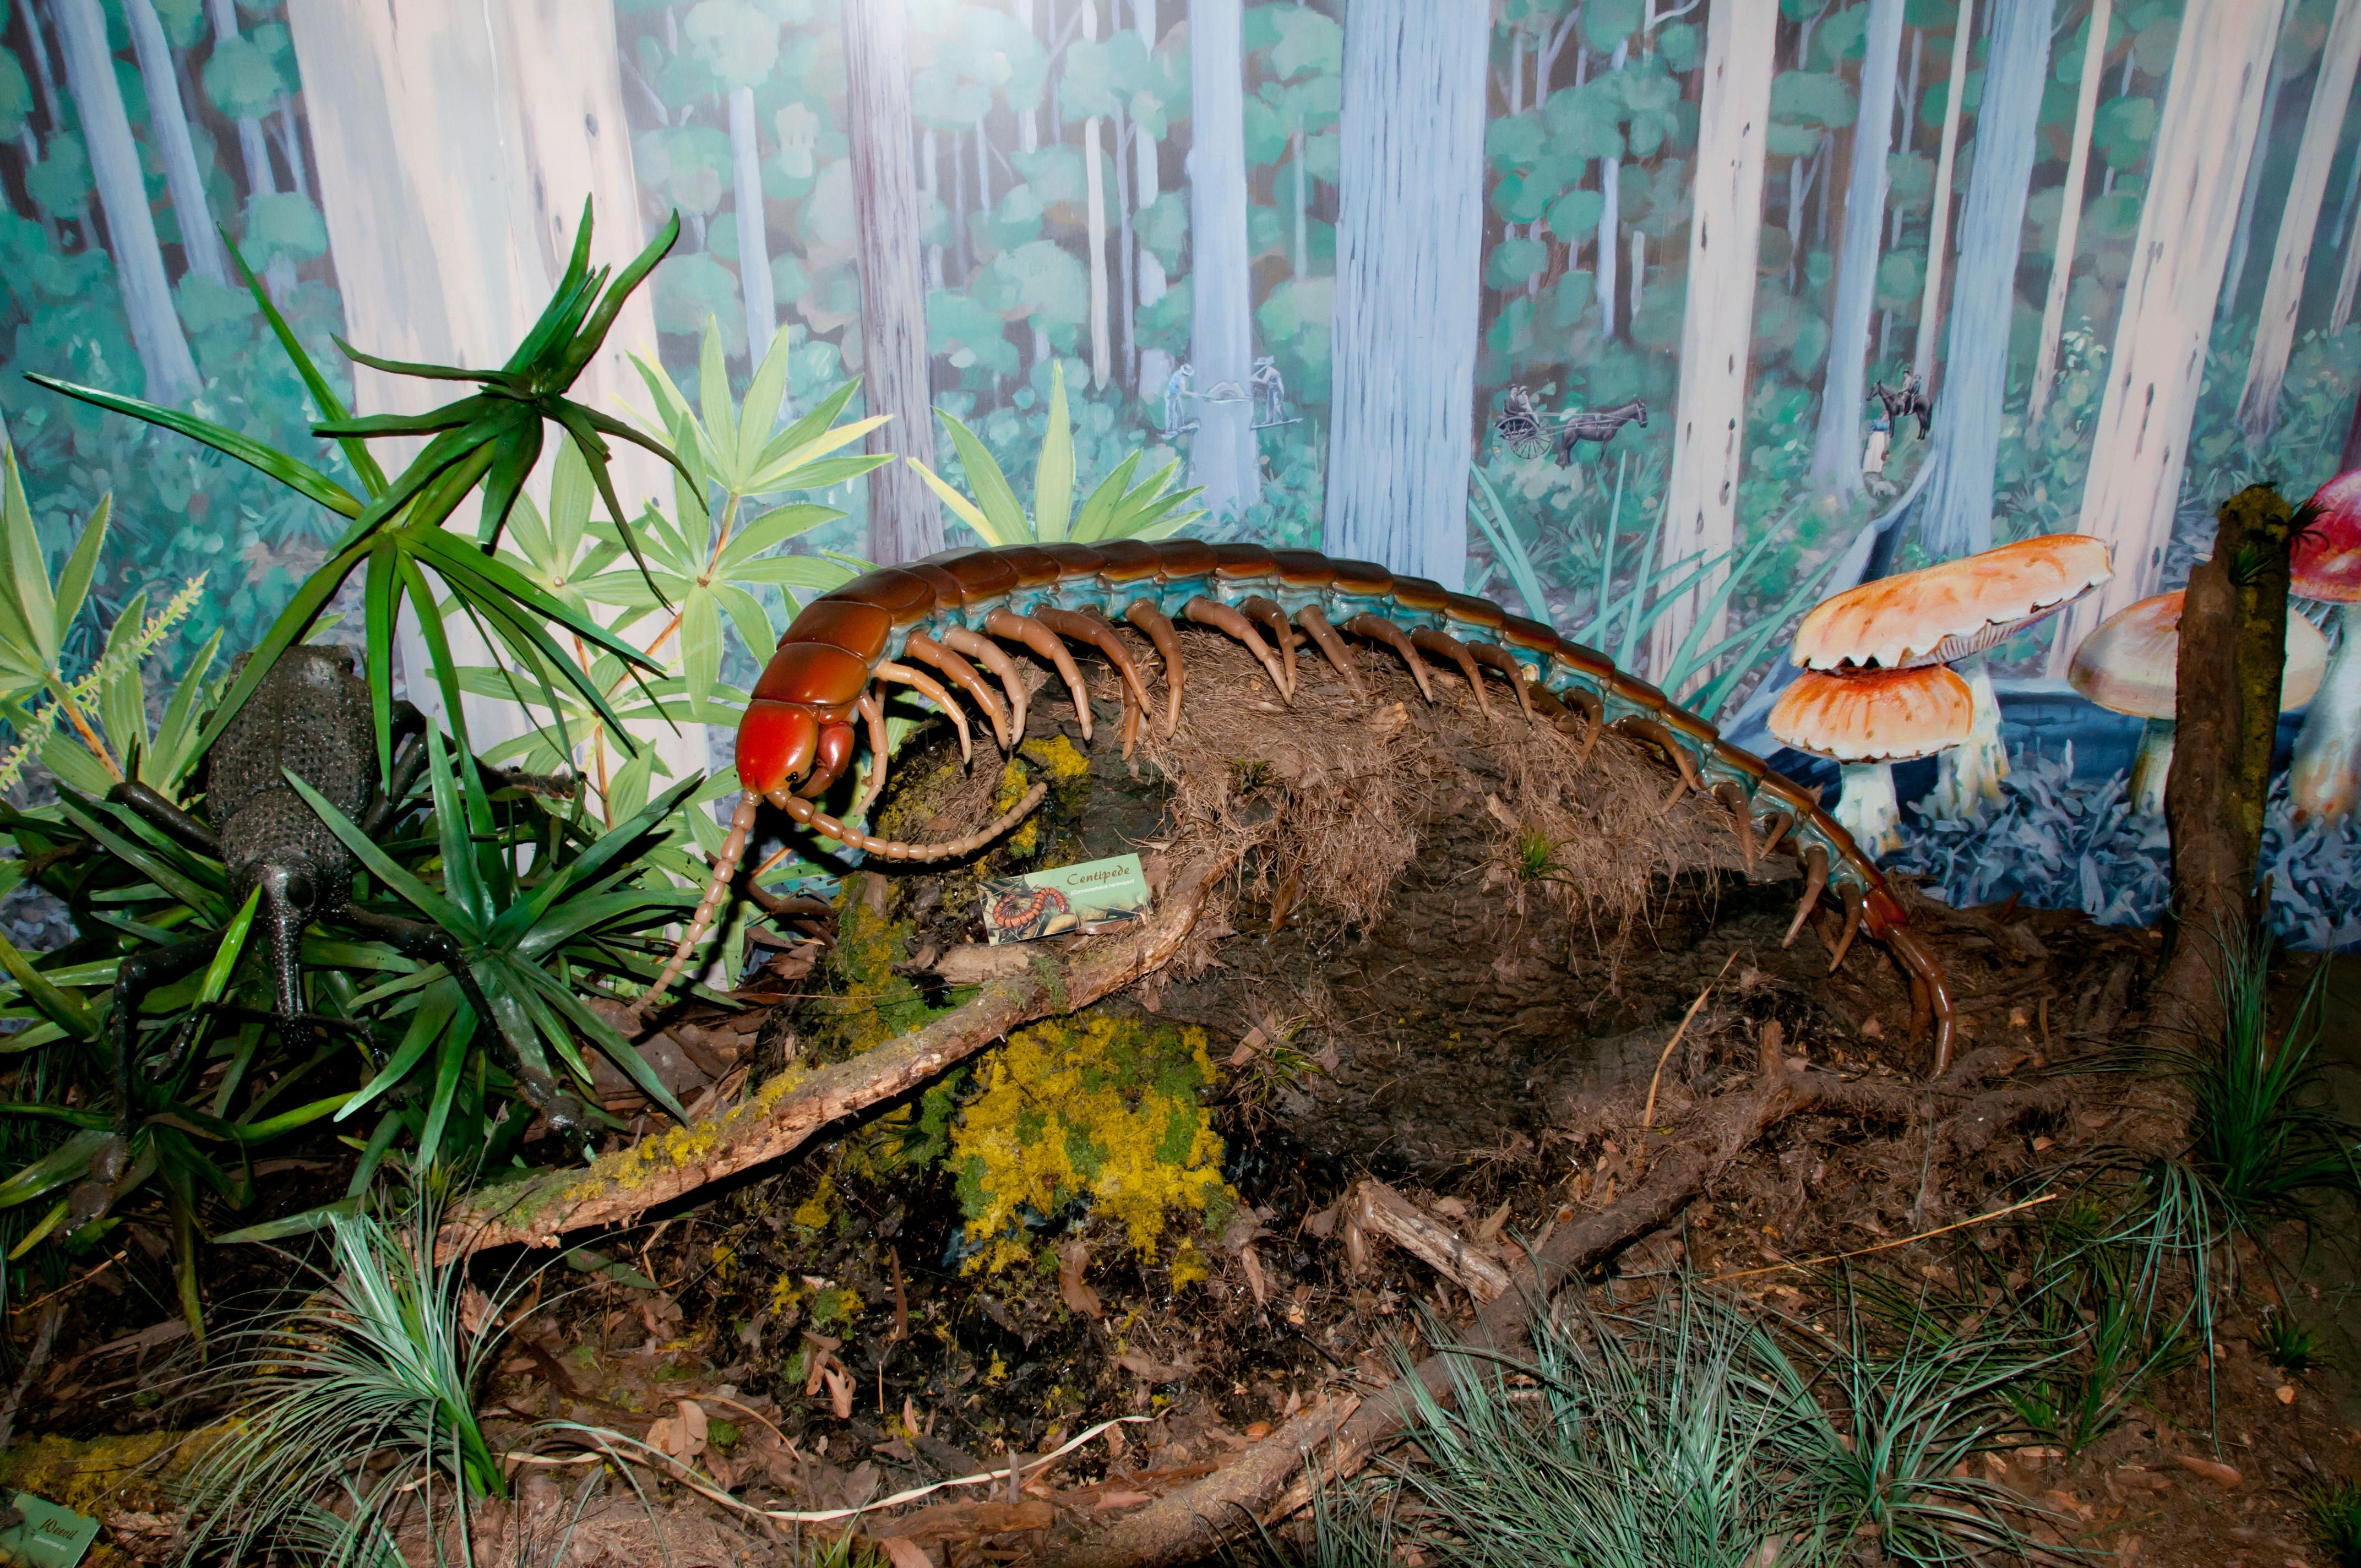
(354, 1404)
(396, 536)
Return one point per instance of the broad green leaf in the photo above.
(1053, 472)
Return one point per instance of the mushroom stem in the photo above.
(1968, 776)
(1868, 808)
(2150, 764)
(2325, 783)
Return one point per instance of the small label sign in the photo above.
(44, 1535)
(1085, 897)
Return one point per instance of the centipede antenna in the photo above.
(725, 867)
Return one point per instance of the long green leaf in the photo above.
(294, 472)
(324, 396)
(993, 495)
(385, 868)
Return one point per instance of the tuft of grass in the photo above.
(2289, 1346)
(2333, 1512)
(1683, 1433)
(2266, 1141)
(353, 1405)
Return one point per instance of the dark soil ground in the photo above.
(1500, 1055)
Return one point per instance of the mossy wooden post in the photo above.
(2232, 642)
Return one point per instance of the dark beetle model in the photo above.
(309, 717)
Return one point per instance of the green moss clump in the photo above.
(874, 1004)
(1102, 1109)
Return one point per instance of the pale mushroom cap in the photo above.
(1875, 716)
(1950, 610)
(2131, 663)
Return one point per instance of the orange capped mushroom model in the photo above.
(2130, 665)
(1949, 613)
(1867, 720)
(2325, 783)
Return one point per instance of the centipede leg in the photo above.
(1037, 636)
(1274, 620)
(1853, 905)
(931, 689)
(1594, 709)
(1378, 629)
(1499, 659)
(1780, 822)
(1212, 612)
(1742, 818)
(1324, 635)
(1159, 628)
(1815, 881)
(965, 675)
(988, 653)
(1926, 975)
(1094, 629)
(873, 708)
(1451, 648)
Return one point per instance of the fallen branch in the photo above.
(792, 1107)
(1279, 1475)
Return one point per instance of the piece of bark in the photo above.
(792, 1107)
(1379, 1210)
(2232, 646)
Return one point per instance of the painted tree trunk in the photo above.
(1409, 256)
(2348, 278)
(1939, 213)
(1095, 226)
(290, 144)
(754, 238)
(930, 159)
(1717, 322)
(1836, 444)
(903, 521)
(2283, 66)
(1126, 349)
(1224, 456)
(1611, 219)
(169, 117)
(1155, 365)
(163, 349)
(45, 81)
(494, 134)
(1955, 518)
(2069, 213)
(2214, 103)
(1028, 119)
(254, 148)
(2258, 404)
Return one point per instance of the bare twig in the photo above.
(1648, 1116)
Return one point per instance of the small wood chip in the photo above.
(2222, 1475)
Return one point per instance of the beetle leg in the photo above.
(1378, 629)
(925, 648)
(1154, 622)
(1275, 620)
(1037, 636)
(1499, 658)
(1451, 648)
(927, 687)
(873, 710)
(1312, 621)
(1222, 619)
(1852, 902)
(1816, 878)
(1094, 631)
(988, 653)
(1742, 818)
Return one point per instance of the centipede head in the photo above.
(796, 735)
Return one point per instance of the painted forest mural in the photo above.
(1660, 322)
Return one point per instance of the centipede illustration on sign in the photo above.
(950, 614)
